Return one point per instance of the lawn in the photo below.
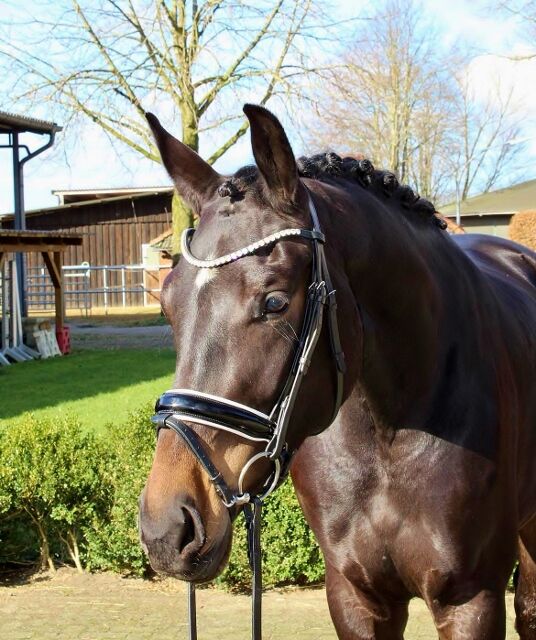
(97, 386)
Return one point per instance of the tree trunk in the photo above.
(182, 218)
(44, 548)
(181, 214)
(74, 552)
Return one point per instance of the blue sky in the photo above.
(87, 159)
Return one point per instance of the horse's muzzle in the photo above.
(176, 544)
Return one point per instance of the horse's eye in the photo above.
(275, 303)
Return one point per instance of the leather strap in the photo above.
(252, 515)
(222, 413)
(334, 337)
(192, 613)
(333, 325)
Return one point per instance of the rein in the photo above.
(179, 405)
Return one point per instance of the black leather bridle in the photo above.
(179, 405)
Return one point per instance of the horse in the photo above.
(424, 484)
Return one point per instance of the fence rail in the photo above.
(87, 286)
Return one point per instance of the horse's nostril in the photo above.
(193, 534)
(188, 535)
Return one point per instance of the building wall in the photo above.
(493, 225)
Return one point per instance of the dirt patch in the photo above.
(71, 606)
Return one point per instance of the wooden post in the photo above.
(53, 263)
(60, 298)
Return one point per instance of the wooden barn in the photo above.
(115, 265)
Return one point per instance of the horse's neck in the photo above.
(399, 298)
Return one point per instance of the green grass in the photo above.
(97, 386)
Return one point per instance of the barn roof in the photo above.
(13, 122)
(518, 197)
(84, 203)
(68, 196)
(163, 242)
(36, 240)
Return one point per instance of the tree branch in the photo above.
(210, 96)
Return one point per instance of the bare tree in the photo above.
(524, 11)
(399, 98)
(482, 143)
(383, 98)
(110, 60)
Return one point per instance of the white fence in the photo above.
(86, 287)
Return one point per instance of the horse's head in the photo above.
(236, 331)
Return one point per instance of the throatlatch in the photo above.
(176, 406)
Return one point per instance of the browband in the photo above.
(309, 234)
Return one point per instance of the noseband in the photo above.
(176, 406)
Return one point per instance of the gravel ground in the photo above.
(87, 336)
(71, 606)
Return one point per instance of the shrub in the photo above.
(290, 552)
(114, 542)
(18, 539)
(51, 475)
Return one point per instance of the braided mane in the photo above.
(328, 165)
(325, 166)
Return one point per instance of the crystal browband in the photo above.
(309, 234)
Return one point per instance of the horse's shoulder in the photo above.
(500, 258)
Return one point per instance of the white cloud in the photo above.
(496, 78)
(474, 23)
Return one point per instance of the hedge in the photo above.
(522, 228)
(68, 496)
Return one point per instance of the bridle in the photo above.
(177, 405)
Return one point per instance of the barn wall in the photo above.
(493, 225)
(113, 234)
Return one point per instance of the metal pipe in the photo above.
(39, 150)
(123, 286)
(18, 196)
(20, 222)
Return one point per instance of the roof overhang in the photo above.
(11, 122)
(70, 196)
(477, 214)
(37, 241)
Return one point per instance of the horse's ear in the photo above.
(194, 178)
(273, 153)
